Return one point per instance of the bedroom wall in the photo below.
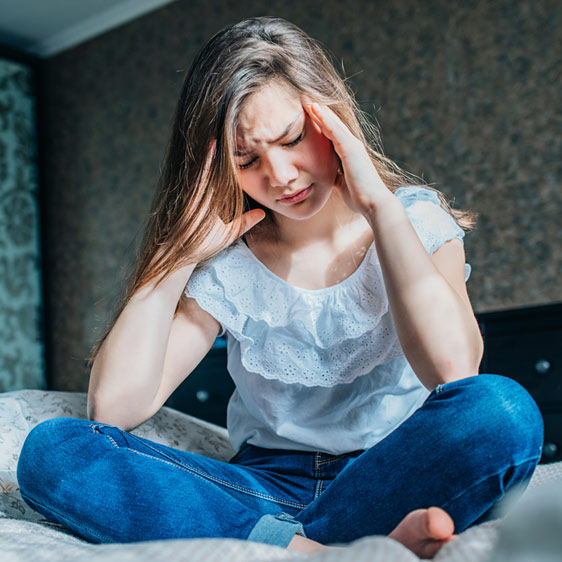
(21, 318)
(467, 95)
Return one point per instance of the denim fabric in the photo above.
(467, 444)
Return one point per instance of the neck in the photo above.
(325, 227)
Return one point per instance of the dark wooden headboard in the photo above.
(524, 344)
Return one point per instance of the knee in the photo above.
(42, 455)
(506, 413)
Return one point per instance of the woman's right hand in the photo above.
(223, 235)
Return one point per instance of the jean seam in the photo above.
(533, 459)
(182, 466)
(95, 429)
(33, 500)
(331, 460)
(317, 475)
(318, 489)
(205, 475)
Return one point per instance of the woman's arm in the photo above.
(148, 353)
(430, 306)
(433, 316)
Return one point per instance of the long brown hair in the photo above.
(234, 64)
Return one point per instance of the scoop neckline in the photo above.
(331, 288)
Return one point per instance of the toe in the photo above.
(439, 524)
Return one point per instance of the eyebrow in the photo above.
(283, 134)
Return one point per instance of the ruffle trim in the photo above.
(314, 338)
(433, 224)
(311, 337)
(325, 317)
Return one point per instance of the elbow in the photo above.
(92, 409)
(462, 364)
(103, 411)
(474, 354)
(96, 414)
(114, 411)
(97, 411)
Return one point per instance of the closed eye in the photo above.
(244, 166)
(289, 144)
(296, 141)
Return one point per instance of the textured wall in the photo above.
(467, 95)
(21, 321)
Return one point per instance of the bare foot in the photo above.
(425, 531)
(302, 544)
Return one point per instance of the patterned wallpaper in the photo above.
(466, 93)
(21, 352)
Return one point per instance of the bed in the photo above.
(531, 530)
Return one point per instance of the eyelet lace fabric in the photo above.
(433, 225)
(313, 337)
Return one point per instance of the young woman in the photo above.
(340, 282)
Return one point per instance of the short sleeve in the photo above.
(201, 286)
(432, 223)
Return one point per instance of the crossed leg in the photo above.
(446, 455)
(423, 531)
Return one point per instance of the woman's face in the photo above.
(280, 152)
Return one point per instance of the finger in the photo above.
(251, 218)
(328, 122)
(331, 123)
(334, 129)
(248, 220)
(313, 118)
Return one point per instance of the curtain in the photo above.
(21, 332)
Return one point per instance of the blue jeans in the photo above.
(467, 444)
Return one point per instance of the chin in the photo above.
(307, 209)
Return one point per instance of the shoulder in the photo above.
(209, 276)
(215, 283)
(433, 223)
(412, 194)
(422, 203)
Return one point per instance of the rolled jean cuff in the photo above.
(278, 529)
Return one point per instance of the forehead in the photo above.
(266, 114)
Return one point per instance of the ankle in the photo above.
(302, 544)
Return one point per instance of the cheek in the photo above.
(250, 184)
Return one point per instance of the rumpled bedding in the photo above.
(530, 527)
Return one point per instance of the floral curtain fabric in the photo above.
(21, 333)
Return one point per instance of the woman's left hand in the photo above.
(360, 184)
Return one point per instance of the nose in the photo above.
(281, 170)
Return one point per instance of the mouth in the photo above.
(297, 196)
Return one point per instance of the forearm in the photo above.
(127, 371)
(437, 330)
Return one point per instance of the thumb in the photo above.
(250, 218)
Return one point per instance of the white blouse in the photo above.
(316, 370)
